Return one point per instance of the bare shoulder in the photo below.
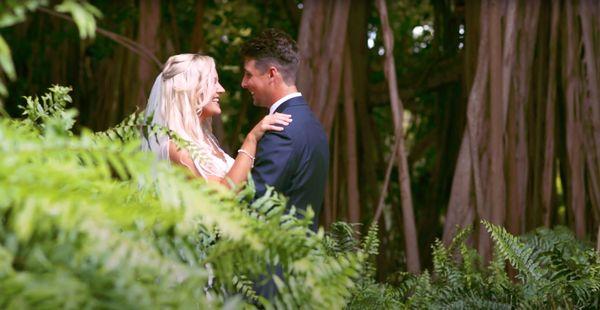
(182, 157)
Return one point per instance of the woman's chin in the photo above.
(211, 112)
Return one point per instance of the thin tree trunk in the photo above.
(149, 21)
(509, 108)
(476, 100)
(357, 42)
(508, 55)
(598, 240)
(197, 42)
(352, 168)
(459, 213)
(526, 53)
(410, 230)
(336, 172)
(386, 182)
(575, 188)
(536, 116)
(475, 108)
(309, 44)
(335, 56)
(495, 183)
(548, 166)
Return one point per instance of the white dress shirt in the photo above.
(282, 100)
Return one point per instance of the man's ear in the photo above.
(273, 72)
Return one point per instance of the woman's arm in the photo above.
(244, 160)
(181, 156)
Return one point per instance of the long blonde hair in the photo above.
(180, 92)
(188, 82)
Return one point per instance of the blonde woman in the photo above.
(184, 98)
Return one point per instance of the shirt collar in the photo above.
(282, 100)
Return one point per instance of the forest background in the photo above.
(439, 113)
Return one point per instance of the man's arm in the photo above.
(273, 162)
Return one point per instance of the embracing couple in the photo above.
(287, 149)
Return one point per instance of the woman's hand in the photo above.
(275, 122)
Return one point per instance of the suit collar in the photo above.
(281, 100)
(295, 101)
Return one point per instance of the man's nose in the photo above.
(243, 82)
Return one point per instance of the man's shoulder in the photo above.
(304, 123)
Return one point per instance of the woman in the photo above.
(184, 98)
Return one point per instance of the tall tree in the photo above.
(321, 43)
(410, 230)
(545, 64)
(148, 25)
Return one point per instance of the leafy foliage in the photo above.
(554, 267)
(90, 221)
(553, 270)
(14, 11)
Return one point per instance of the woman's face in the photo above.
(213, 107)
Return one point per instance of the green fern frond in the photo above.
(516, 253)
(460, 238)
(370, 244)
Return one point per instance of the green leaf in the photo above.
(6, 62)
(84, 15)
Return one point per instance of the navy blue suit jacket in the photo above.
(294, 161)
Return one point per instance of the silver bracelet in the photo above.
(247, 154)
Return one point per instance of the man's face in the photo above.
(257, 83)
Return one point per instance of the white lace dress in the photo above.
(207, 163)
(213, 165)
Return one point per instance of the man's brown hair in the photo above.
(273, 47)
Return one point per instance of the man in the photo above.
(294, 161)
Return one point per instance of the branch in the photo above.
(119, 39)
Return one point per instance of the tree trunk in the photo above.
(475, 118)
(309, 44)
(536, 211)
(148, 28)
(357, 43)
(495, 183)
(591, 99)
(524, 67)
(352, 165)
(410, 230)
(332, 67)
(575, 188)
(197, 42)
(548, 164)
(510, 118)
(459, 212)
(321, 41)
